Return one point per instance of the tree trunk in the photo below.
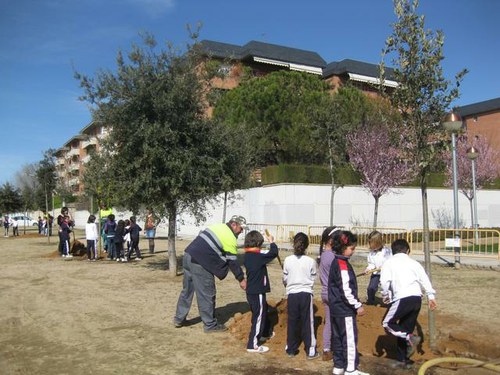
(225, 208)
(375, 211)
(172, 256)
(333, 186)
(427, 254)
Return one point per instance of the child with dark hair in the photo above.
(134, 230)
(126, 239)
(376, 258)
(258, 285)
(118, 239)
(109, 230)
(325, 261)
(299, 273)
(64, 232)
(344, 305)
(91, 234)
(402, 280)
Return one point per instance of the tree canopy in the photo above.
(161, 150)
(10, 199)
(277, 111)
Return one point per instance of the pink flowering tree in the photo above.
(487, 166)
(379, 157)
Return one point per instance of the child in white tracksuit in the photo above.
(402, 280)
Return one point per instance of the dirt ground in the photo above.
(72, 316)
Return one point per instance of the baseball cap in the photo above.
(240, 220)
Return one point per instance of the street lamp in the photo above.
(453, 123)
(472, 155)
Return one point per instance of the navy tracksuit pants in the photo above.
(300, 323)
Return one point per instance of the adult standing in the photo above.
(150, 227)
(212, 253)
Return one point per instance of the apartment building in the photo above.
(259, 59)
(483, 118)
(75, 153)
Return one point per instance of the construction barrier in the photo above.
(443, 242)
(463, 241)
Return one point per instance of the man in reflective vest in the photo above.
(212, 253)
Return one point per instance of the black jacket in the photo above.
(342, 288)
(256, 270)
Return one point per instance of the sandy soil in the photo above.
(76, 317)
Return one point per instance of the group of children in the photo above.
(400, 278)
(121, 238)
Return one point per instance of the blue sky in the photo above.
(42, 41)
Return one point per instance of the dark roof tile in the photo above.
(480, 107)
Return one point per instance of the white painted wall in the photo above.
(309, 205)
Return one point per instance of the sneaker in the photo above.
(327, 355)
(138, 259)
(124, 260)
(356, 372)
(314, 356)
(118, 259)
(217, 328)
(64, 255)
(413, 341)
(259, 349)
(338, 371)
(292, 354)
(69, 256)
(405, 365)
(178, 324)
(266, 338)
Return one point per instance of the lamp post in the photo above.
(472, 155)
(453, 123)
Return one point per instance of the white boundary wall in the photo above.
(310, 205)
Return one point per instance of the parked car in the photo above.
(25, 220)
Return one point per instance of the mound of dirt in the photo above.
(77, 249)
(373, 341)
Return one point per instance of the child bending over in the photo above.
(402, 280)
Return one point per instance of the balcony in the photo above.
(73, 152)
(90, 142)
(74, 181)
(74, 167)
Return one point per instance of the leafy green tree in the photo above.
(423, 96)
(277, 111)
(10, 198)
(161, 151)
